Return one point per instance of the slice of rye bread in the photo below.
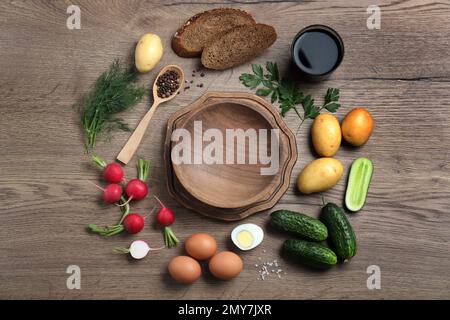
(239, 45)
(204, 27)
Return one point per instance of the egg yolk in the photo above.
(244, 238)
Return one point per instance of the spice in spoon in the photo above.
(167, 84)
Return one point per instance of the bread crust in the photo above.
(230, 64)
(177, 44)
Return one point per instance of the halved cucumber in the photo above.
(358, 184)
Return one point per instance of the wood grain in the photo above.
(401, 73)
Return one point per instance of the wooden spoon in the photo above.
(133, 142)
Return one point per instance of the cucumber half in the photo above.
(358, 184)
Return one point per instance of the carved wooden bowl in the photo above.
(234, 190)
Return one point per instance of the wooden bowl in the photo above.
(284, 139)
(228, 185)
(179, 191)
(184, 198)
(287, 142)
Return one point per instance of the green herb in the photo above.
(121, 250)
(143, 169)
(114, 92)
(285, 92)
(111, 230)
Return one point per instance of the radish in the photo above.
(112, 172)
(165, 217)
(138, 249)
(112, 193)
(137, 189)
(134, 223)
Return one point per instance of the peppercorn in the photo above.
(167, 84)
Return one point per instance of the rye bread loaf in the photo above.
(204, 27)
(239, 45)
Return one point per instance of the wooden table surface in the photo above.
(401, 73)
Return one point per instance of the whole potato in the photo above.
(357, 126)
(148, 52)
(326, 135)
(320, 175)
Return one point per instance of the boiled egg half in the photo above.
(247, 236)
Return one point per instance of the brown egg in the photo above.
(226, 265)
(184, 269)
(201, 246)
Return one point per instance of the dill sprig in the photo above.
(114, 92)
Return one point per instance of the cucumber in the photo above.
(342, 237)
(358, 184)
(299, 224)
(312, 254)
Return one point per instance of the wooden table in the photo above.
(401, 73)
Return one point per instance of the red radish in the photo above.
(134, 223)
(138, 249)
(165, 217)
(137, 189)
(112, 172)
(112, 193)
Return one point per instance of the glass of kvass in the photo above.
(316, 52)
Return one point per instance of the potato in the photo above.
(148, 52)
(357, 126)
(326, 135)
(320, 175)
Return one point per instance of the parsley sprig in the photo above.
(268, 83)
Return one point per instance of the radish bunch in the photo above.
(135, 189)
